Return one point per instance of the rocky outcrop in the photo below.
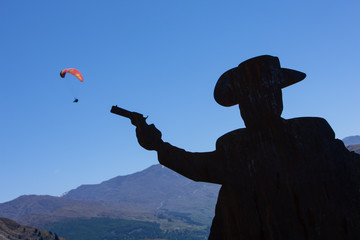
(11, 230)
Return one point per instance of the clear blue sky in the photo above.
(160, 58)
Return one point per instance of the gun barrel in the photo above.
(120, 111)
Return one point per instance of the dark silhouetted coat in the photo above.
(291, 181)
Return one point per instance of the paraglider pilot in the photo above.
(281, 179)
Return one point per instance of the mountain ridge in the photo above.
(351, 140)
(154, 194)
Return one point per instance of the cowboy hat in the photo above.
(259, 71)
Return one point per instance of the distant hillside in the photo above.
(114, 229)
(156, 189)
(11, 230)
(35, 210)
(154, 194)
(351, 140)
(354, 148)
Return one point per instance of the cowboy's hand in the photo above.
(149, 137)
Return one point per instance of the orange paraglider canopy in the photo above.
(72, 71)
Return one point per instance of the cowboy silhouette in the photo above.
(281, 179)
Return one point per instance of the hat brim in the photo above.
(224, 89)
(291, 77)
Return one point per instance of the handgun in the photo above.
(136, 118)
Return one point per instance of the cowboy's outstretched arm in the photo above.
(200, 167)
(204, 167)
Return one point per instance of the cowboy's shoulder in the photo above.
(238, 135)
(311, 125)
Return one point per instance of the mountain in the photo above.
(354, 148)
(156, 189)
(11, 230)
(38, 210)
(155, 194)
(351, 140)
